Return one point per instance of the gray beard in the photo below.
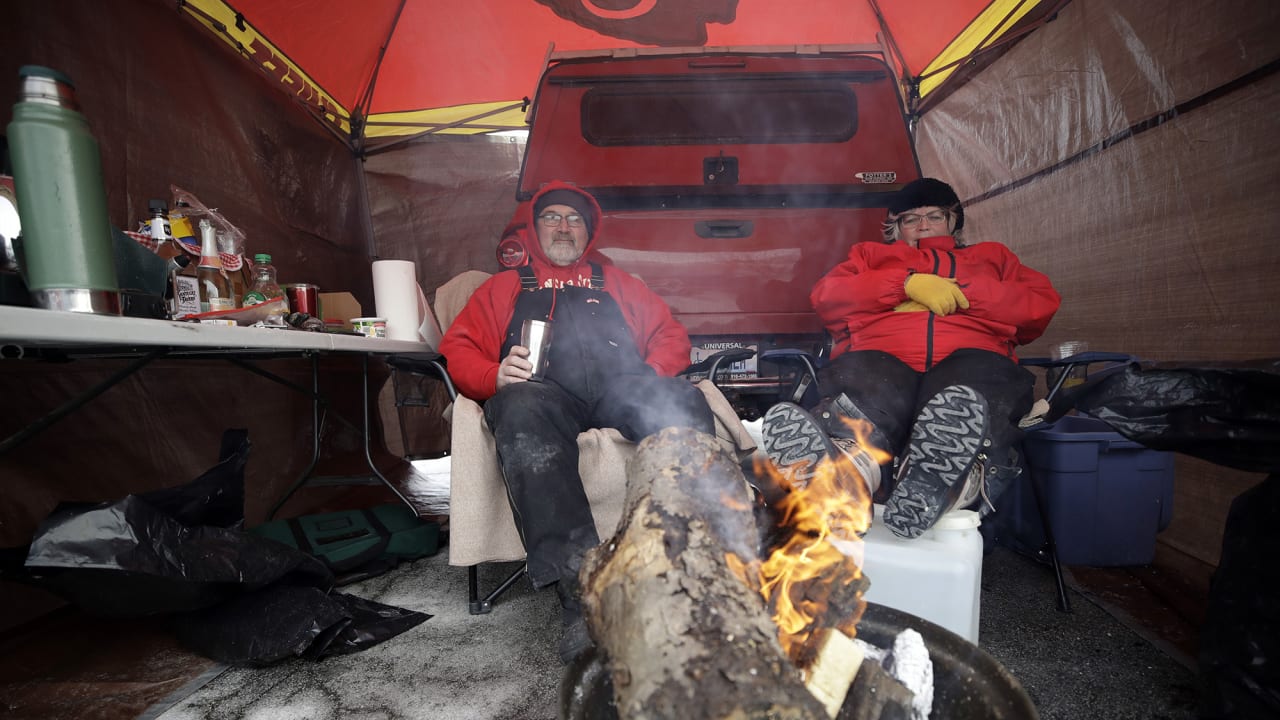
(563, 255)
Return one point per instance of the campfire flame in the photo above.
(821, 555)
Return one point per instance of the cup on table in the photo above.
(303, 298)
(536, 335)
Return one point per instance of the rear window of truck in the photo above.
(711, 112)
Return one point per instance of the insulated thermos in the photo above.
(67, 249)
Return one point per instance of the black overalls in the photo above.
(595, 378)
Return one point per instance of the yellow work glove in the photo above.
(941, 295)
(911, 306)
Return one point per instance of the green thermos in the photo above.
(67, 252)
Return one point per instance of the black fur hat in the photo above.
(926, 192)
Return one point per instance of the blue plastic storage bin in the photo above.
(1106, 497)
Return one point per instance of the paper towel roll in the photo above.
(398, 298)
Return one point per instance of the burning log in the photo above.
(674, 597)
(692, 622)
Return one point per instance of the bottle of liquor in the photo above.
(186, 288)
(159, 228)
(215, 291)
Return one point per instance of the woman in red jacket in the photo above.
(924, 330)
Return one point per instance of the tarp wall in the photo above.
(443, 204)
(1129, 150)
(169, 107)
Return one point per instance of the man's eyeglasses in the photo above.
(912, 220)
(553, 219)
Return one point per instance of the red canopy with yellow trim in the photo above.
(381, 68)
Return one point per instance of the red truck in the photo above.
(731, 180)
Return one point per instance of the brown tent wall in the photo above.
(1129, 150)
(168, 106)
(443, 205)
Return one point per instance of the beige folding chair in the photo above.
(481, 525)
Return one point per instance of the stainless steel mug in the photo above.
(536, 335)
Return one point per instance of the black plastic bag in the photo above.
(281, 622)
(1226, 413)
(170, 550)
(128, 559)
(1240, 639)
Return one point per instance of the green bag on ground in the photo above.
(360, 541)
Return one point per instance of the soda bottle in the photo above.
(215, 291)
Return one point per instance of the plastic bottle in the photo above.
(265, 288)
(215, 290)
(57, 167)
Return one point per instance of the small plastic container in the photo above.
(374, 327)
(937, 576)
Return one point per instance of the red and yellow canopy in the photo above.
(404, 67)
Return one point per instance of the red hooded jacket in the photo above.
(473, 342)
(1009, 303)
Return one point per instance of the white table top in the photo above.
(34, 327)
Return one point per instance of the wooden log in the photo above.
(673, 599)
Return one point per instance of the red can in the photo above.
(303, 298)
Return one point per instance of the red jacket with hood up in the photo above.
(473, 342)
(1009, 303)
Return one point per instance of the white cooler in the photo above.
(937, 576)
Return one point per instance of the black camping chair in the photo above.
(1058, 373)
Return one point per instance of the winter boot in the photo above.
(574, 638)
(797, 444)
(949, 434)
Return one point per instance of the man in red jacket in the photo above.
(614, 350)
(924, 330)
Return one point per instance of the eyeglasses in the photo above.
(553, 219)
(912, 220)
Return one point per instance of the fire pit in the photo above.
(712, 600)
(968, 682)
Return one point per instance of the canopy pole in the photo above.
(909, 86)
(366, 99)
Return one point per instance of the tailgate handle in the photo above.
(724, 228)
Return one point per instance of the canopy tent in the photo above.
(395, 68)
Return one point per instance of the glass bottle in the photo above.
(215, 291)
(159, 228)
(234, 266)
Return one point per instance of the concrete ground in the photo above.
(1085, 664)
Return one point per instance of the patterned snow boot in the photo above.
(797, 443)
(948, 435)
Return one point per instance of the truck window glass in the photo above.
(735, 112)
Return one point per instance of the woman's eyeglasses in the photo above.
(553, 219)
(912, 220)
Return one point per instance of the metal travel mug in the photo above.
(536, 335)
(70, 262)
